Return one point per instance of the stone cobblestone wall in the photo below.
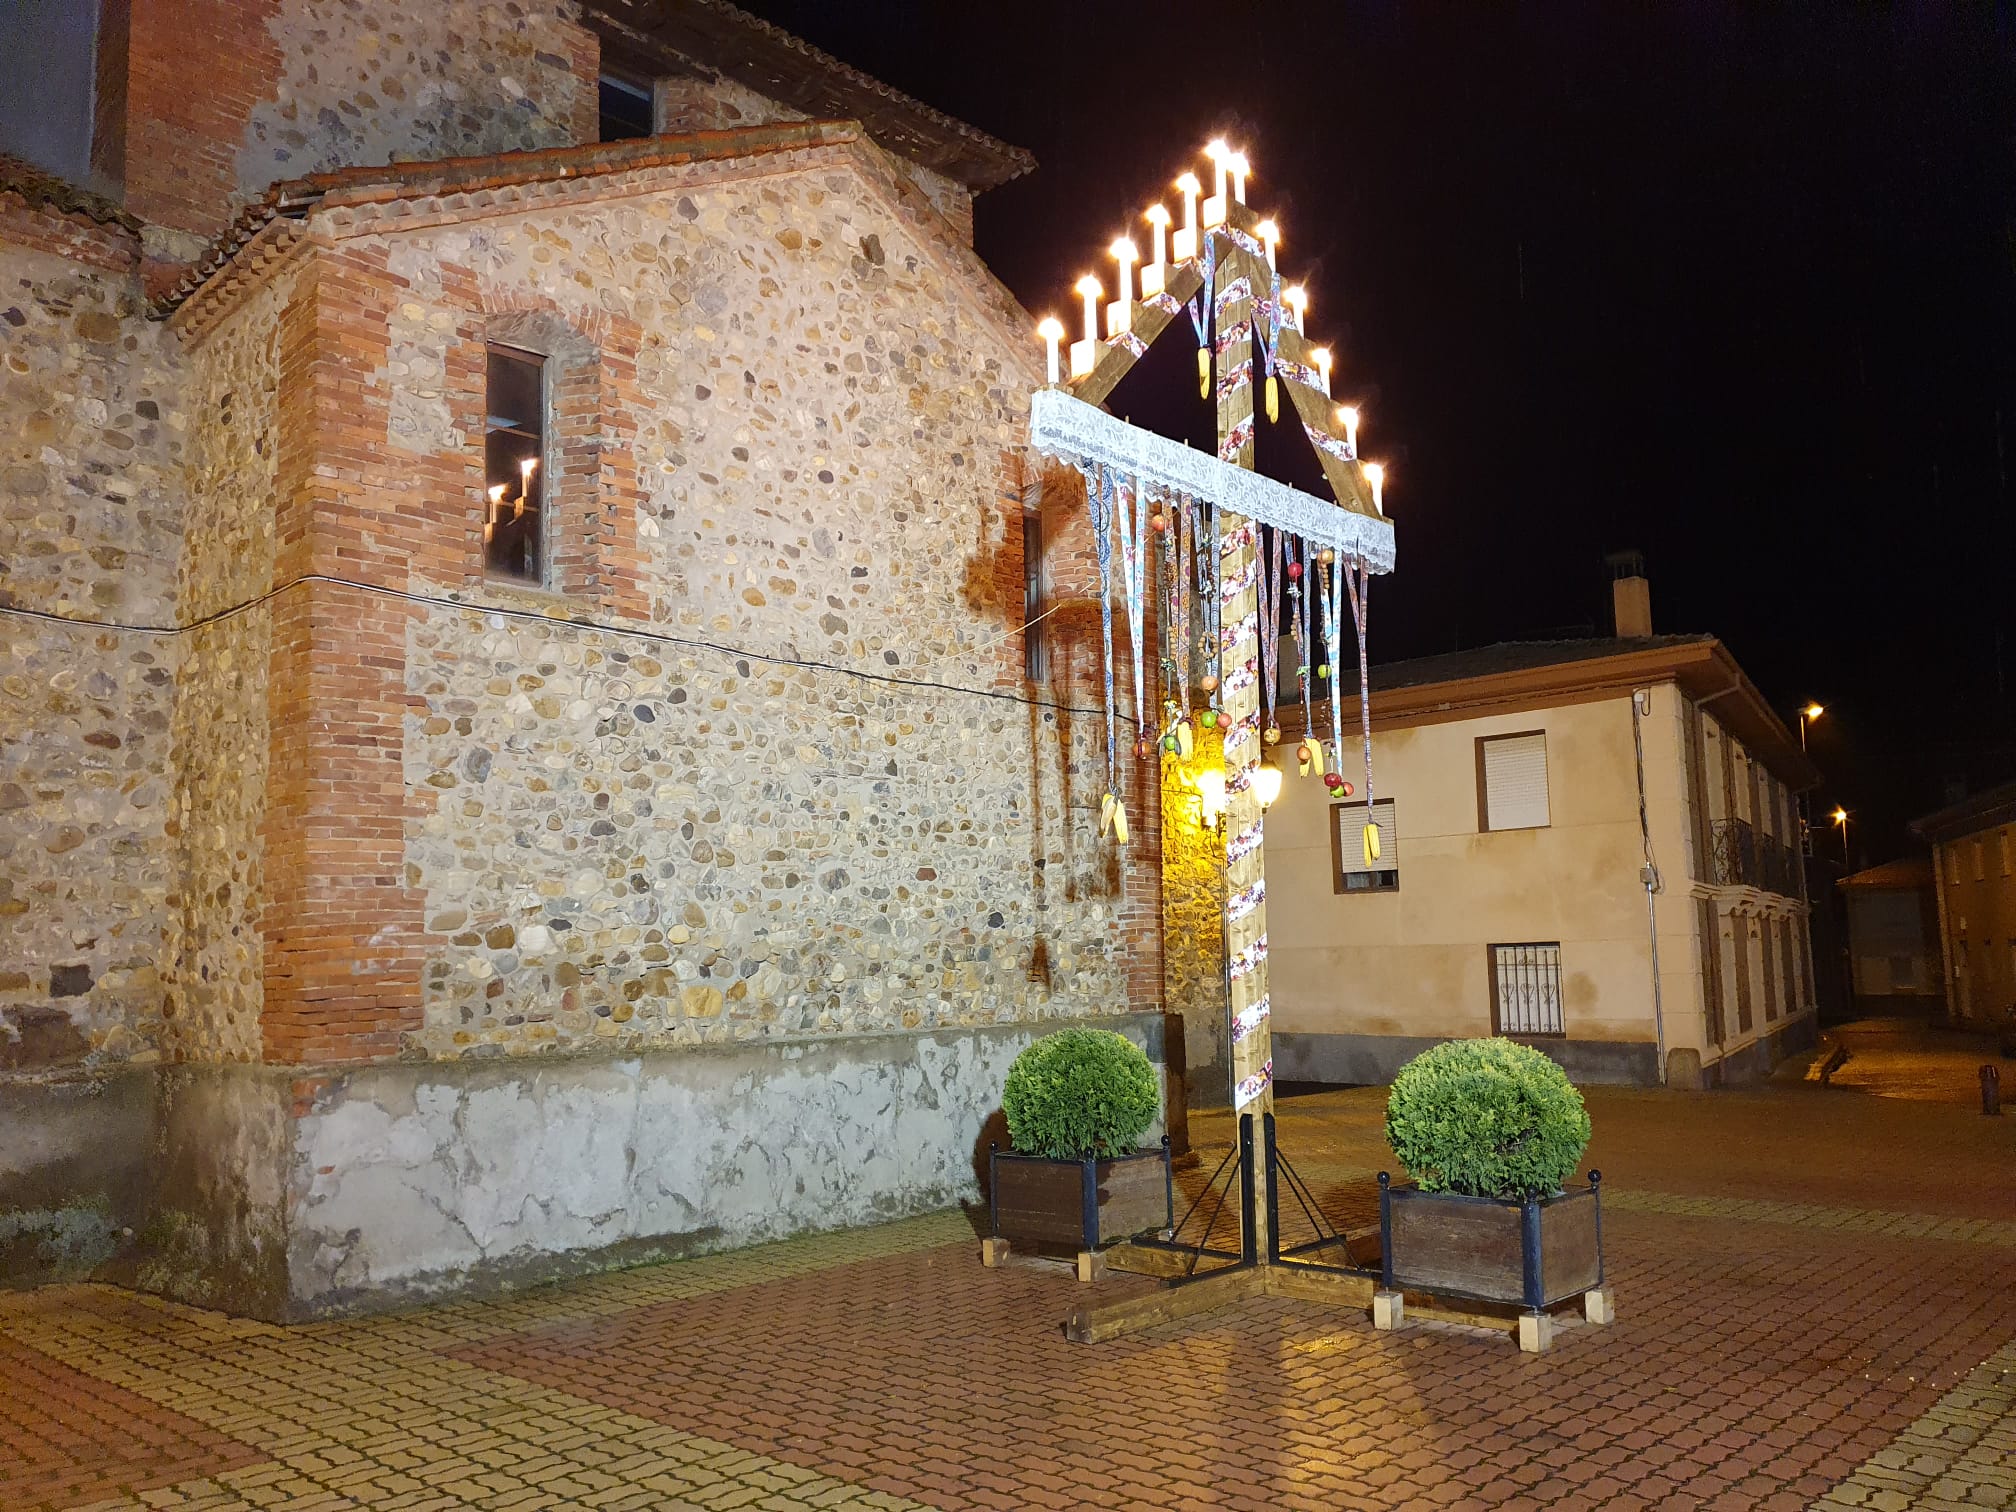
(1193, 911)
(634, 843)
(93, 430)
(450, 78)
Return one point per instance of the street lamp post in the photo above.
(1807, 715)
(1841, 823)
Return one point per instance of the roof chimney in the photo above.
(1630, 593)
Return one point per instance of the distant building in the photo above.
(1589, 845)
(1974, 863)
(1893, 938)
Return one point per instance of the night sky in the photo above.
(1727, 284)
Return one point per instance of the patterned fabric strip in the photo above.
(1246, 960)
(1244, 901)
(1242, 845)
(1098, 496)
(1323, 441)
(1253, 1087)
(1255, 1014)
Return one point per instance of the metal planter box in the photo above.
(1082, 1204)
(1529, 1254)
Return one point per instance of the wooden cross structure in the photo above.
(1225, 274)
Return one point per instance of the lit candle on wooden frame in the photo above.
(1183, 244)
(1085, 354)
(1239, 168)
(1297, 299)
(1321, 357)
(1155, 273)
(1051, 329)
(1120, 313)
(1376, 476)
(1348, 415)
(1270, 236)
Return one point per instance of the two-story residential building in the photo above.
(515, 749)
(1591, 845)
(1974, 887)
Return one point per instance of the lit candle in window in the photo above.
(1321, 357)
(525, 470)
(1085, 354)
(1297, 299)
(1376, 476)
(496, 501)
(1183, 244)
(1120, 313)
(1269, 234)
(1155, 276)
(1051, 329)
(1348, 415)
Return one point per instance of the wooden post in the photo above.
(1238, 545)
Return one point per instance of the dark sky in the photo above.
(1730, 284)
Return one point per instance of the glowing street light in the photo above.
(1840, 817)
(1266, 784)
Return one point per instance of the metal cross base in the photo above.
(1322, 1270)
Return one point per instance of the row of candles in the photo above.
(1230, 170)
(526, 467)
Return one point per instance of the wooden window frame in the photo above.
(1338, 871)
(542, 575)
(1484, 791)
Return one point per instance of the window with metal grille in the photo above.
(1512, 781)
(1035, 644)
(1351, 871)
(1526, 989)
(514, 447)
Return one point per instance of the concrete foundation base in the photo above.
(1374, 1059)
(263, 1191)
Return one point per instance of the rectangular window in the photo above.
(514, 465)
(1035, 648)
(2002, 842)
(626, 109)
(1953, 865)
(1351, 871)
(1526, 989)
(1980, 862)
(1512, 781)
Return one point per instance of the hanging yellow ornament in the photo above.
(1203, 374)
(1371, 844)
(1120, 823)
(1106, 807)
(1273, 400)
(1186, 740)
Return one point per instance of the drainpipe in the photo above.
(1641, 699)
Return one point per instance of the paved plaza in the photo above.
(1816, 1296)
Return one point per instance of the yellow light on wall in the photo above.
(1267, 784)
(1211, 797)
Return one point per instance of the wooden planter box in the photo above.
(1079, 1204)
(1528, 1254)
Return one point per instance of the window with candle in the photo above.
(514, 455)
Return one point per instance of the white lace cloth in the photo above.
(1084, 435)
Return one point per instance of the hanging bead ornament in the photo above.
(1131, 519)
(1361, 612)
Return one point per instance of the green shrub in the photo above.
(1080, 1092)
(1486, 1117)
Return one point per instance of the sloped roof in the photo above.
(1910, 874)
(652, 36)
(1518, 656)
(1543, 674)
(1979, 811)
(46, 191)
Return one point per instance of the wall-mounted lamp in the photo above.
(1267, 784)
(1210, 785)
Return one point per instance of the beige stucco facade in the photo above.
(1974, 883)
(1700, 979)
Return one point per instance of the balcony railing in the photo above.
(1743, 858)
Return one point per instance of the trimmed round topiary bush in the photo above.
(1080, 1092)
(1487, 1118)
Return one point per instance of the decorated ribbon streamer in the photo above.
(1250, 1018)
(1359, 579)
(1244, 901)
(1131, 517)
(1247, 960)
(1270, 629)
(1243, 844)
(1099, 499)
(1251, 1088)
(1333, 637)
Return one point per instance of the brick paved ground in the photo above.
(1817, 1299)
